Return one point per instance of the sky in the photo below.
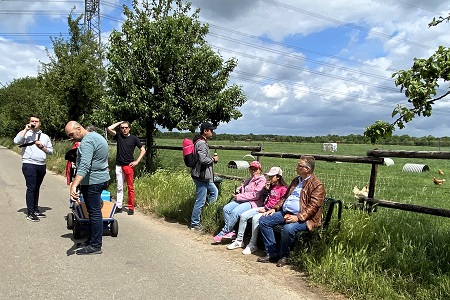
(308, 68)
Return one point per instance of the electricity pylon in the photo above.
(92, 18)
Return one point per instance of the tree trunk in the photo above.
(150, 155)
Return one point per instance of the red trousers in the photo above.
(125, 173)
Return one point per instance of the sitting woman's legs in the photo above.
(243, 222)
(227, 209)
(255, 228)
(233, 214)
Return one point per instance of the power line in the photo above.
(266, 60)
(354, 98)
(346, 24)
(302, 49)
(419, 7)
(295, 56)
(242, 42)
(290, 86)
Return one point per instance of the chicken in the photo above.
(440, 172)
(364, 192)
(438, 181)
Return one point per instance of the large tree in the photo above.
(75, 75)
(18, 100)
(419, 83)
(163, 73)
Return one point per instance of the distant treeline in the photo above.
(348, 139)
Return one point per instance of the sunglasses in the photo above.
(124, 127)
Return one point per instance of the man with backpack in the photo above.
(202, 173)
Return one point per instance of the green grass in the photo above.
(389, 254)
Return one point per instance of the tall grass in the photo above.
(388, 254)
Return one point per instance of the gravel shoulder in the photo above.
(284, 276)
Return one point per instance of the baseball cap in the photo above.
(255, 164)
(275, 171)
(207, 125)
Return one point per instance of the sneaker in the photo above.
(235, 244)
(267, 258)
(218, 237)
(118, 210)
(89, 250)
(249, 249)
(196, 228)
(82, 244)
(40, 215)
(131, 212)
(230, 235)
(33, 218)
(282, 262)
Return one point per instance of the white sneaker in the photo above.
(235, 244)
(249, 249)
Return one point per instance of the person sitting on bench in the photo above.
(300, 209)
(250, 195)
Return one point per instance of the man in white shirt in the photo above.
(35, 146)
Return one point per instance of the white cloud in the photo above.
(307, 69)
(274, 90)
(19, 60)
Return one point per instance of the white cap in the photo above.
(275, 171)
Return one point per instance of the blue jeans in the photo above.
(266, 224)
(231, 213)
(201, 188)
(34, 175)
(245, 216)
(92, 199)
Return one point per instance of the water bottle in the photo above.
(215, 157)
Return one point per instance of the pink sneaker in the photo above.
(218, 237)
(230, 235)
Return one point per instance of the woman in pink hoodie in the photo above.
(250, 195)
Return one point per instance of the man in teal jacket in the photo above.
(92, 176)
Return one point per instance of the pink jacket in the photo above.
(275, 194)
(252, 190)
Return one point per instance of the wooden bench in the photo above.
(328, 207)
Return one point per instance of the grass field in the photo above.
(389, 254)
(340, 178)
